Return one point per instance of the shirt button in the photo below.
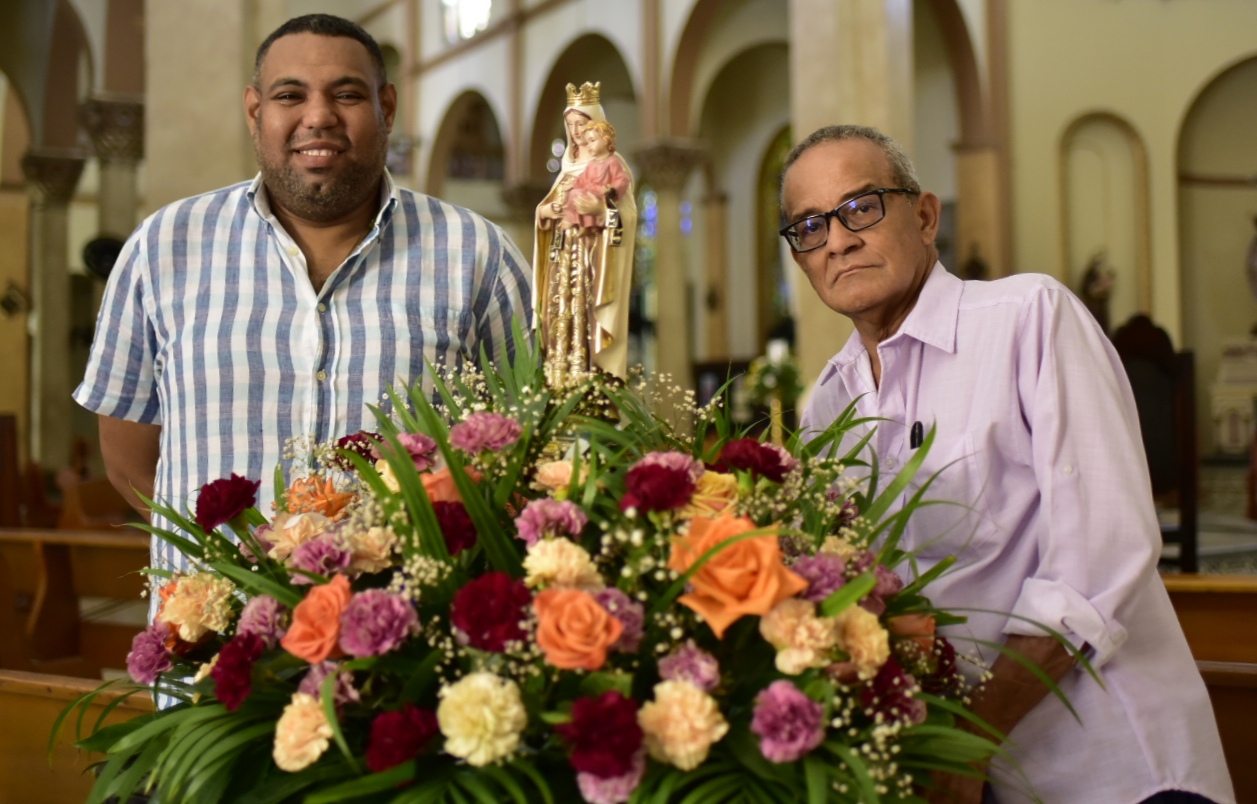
(321, 375)
(292, 251)
(1067, 469)
(322, 307)
(890, 463)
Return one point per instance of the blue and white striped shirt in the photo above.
(211, 328)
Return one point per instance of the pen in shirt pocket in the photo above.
(916, 435)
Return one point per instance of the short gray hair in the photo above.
(901, 170)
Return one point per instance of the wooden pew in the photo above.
(1233, 693)
(30, 703)
(46, 572)
(1218, 614)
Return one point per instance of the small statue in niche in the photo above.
(583, 259)
(1097, 287)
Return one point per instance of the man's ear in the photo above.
(252, 103)
(928, 210)
(388, 105)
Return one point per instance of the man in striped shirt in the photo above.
(281, 308)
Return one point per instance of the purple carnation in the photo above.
(789, 723)
(693, 664)
(615, 790)
(674, 460)
(482, 432)
(630, 614)
(322, 555)
(547, 517)
(888, 583)
(266, 617)
(342, 693)
(422, 449)
(824, 574)
(148, 657)
(375, 622)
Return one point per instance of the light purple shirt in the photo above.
(1037, 442)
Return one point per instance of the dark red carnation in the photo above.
(651, 487)
(400, 736)
(224, 500)
(888, 694)
(361, 442)
(456, 526)
(946, 678)
(233, 672)
(489, 610)
(603, 734)
(748, 455)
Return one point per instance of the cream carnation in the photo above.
(372, 549)
(561, 563)
(481, 716)
(201, 603)
(552, 476)
(713, 494)
(838, 546)
(293, 531)
(302, 733)
(802, 639)
(864, 639)
(387, 477)
(681, 724)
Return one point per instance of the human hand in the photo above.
(588, 204)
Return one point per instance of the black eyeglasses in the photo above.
(857, 213)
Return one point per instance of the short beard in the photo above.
(322, 199)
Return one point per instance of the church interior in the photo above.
(1106, 143)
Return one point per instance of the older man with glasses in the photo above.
(1036, 442)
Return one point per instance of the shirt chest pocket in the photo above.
(949, 515)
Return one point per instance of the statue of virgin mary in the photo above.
(583, 258)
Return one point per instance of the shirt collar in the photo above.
(931, 321)
(261, 200)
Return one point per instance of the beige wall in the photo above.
(13, 340)
(1142, 61)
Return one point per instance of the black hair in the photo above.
(322, 25)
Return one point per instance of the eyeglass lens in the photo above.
(860, 212)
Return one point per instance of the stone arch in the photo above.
(68, 78)
(468, 158)
(1217, 234)
(588, 58)
(1103, 169)
(124, 47)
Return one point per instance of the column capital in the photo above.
(667, 164)
(52, 174)
(116, 126)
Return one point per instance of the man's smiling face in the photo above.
(320, 115)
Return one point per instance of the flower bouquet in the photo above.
(526, 594)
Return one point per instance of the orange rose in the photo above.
(308, 495)
(917, 627)
(573, 629)
(744, 578)
(316, 621)
(440, 484)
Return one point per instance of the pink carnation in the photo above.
(266, 617)
(789, 723)
(148, 657)
(631, 614)
(343, 691)
(422, 449)
(375, 622)
(824, 574)
(547, 517)
(482, 432)
(322, 555)
(615, 790)
(693, 664)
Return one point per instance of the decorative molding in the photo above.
(667, 164)
(116, 126)
(52, 174)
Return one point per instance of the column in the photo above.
(665, 166)
(116, 126)
(978, 215)
(51, 177)
(851, 62)
(715, 298)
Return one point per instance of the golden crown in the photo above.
(588, 94)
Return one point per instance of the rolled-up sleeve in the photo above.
(1097, 534)
(121, 376)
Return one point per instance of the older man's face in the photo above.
(875, 275)
(320, 122)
